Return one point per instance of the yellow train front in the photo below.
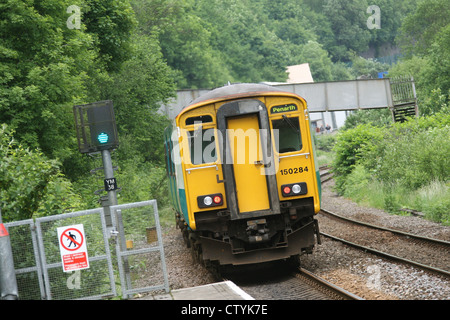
(242, 175)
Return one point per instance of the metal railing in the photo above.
(139, 251)
(39, 267)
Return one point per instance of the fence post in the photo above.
(8, 282)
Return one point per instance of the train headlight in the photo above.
(210, 200)
(294, 189)
(207, 201)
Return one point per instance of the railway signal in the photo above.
(97, 132)
(96, 127)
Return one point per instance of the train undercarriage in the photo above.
(221, 241)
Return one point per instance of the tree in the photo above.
(421, 28)
(143, 83)
(47, 66)
(111, 23)
(31, 184)
(425, 38)
(248, 48)
(319, 61)
(44, 67)
(348, 21)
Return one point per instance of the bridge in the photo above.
(396, 94)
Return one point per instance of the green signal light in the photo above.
(103, 138)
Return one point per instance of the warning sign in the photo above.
(3, 231)
(72, 246)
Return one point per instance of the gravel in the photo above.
(366, 275)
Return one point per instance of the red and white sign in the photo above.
(72, 245)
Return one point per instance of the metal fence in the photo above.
(403, 90)
(136, 267)
(404, 98)
(140, 250)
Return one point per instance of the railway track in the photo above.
(325, 173)
(422, 252)
(300, 285)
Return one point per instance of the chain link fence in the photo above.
(138, 267)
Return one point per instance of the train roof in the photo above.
(239, 89)
(233, 89)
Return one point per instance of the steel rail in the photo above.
(388, 256)
(336, 290)
(398, 232)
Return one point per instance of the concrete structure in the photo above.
(328, 102)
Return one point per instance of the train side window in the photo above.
(202, 146)
(289, 136)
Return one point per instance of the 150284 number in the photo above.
(285, 172)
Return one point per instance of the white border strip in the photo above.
(239, 291)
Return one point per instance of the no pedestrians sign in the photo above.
(72, 245)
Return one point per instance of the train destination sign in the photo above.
(73, 249)
(284, 108)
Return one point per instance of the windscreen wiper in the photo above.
(289, 122)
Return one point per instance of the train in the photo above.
(243, 176)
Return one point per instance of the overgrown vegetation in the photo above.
(404, 165)
(138, 52)
(395, 166)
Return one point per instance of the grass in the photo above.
(432, 199)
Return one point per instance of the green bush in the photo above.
(412, 154)
(31, 185)
(404, 165)
(434, 200)
(351, 146)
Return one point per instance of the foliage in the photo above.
(396, 166)
(425, 41)
(43, 71)
(137, 90)
(405, 158)
(47, 67)
(375, 117)
(137, 52)
(348, 22)
(351, 146)
(31, 185)
(421, 28)
(143, 182)
(110, 22)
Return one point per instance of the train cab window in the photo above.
(198, 119)
(287, 134)
(202, 146)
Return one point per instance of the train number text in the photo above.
(286, 172)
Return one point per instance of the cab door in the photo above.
(246, 154)
(247, 159)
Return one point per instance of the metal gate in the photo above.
(39, 269)
(140, 251)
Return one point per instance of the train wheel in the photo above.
(185, 234)
(196, 249)
(294, 261)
